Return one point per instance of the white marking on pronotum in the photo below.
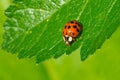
(70, 39)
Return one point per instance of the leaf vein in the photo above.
(80, 13)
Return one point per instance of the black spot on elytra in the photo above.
(76, 23)
(74, 26)
(65, 27)
(71, 21)
(73, 33)
(77, 30)
(68, 27)
(79, 25)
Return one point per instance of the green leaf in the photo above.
(34, 27)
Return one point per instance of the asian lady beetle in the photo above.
(71, 31)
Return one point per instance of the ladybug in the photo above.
(71, 31)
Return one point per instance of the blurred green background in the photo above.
(104, 64)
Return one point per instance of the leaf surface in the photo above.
(34, 27)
